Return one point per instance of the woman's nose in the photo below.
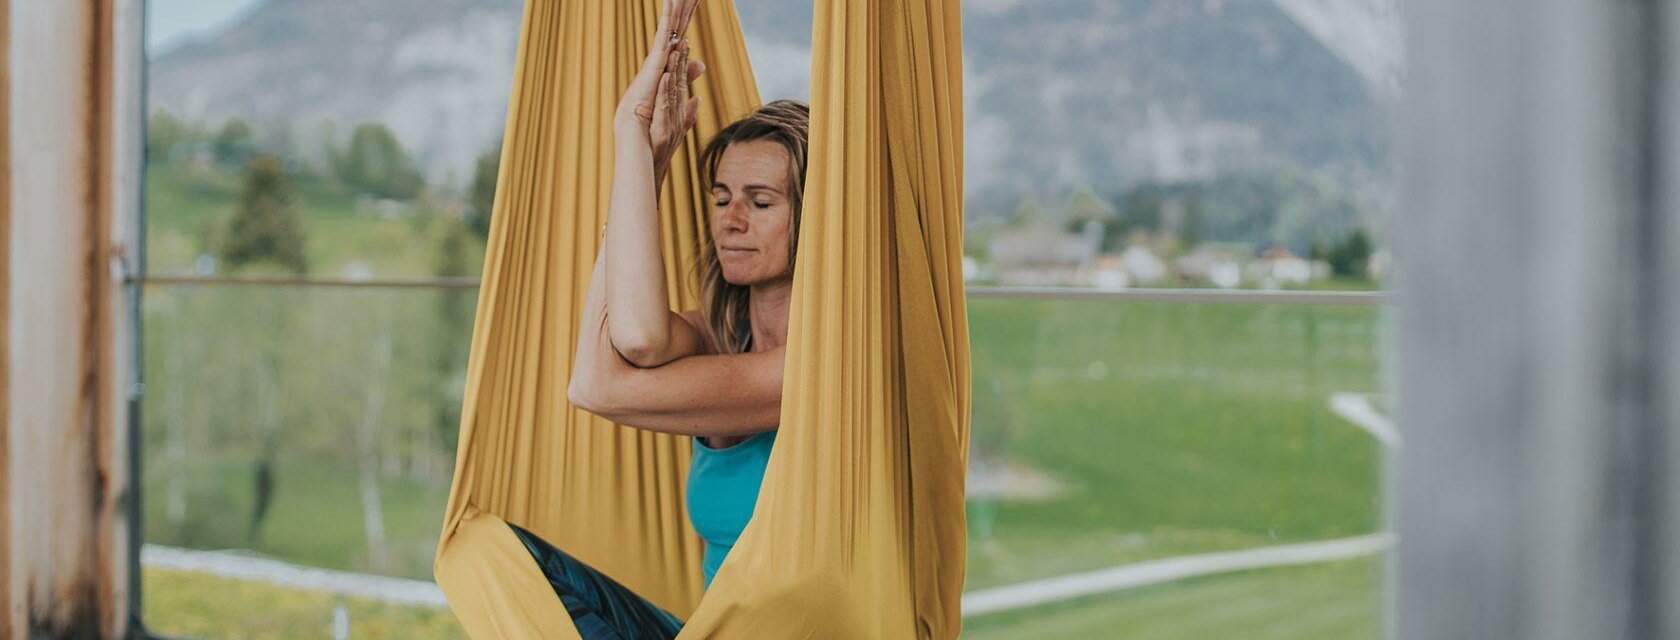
(732, 217)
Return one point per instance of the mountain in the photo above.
(1059, 93)
(437, 72)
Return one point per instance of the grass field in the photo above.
(1173, 428)
(1336, 601)
(184, 205)
(1207, 431)
(1160, 429)
(191, 605)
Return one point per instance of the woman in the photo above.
(713, 373)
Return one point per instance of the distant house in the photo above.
(204, 265)
(1143, 265)
(971, 269)
(387, 208)
(1279, 266)
(1219, 267)
(357, 270)
(1225, 275)
(1379, 264)
(1109, 273)
(200, 160)
(1042, 255)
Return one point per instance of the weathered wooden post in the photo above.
(70, 154)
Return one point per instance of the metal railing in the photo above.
(1188, 296)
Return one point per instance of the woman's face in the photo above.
(751, 212)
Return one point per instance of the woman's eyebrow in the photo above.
(749, 188)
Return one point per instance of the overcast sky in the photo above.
(173, 20)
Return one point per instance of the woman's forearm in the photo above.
(714, 395)
(584, 382)
(638, 318)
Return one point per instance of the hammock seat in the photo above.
(859, 528)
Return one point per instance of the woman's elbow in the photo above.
(583, 395)
(643, 352)
(597, 399)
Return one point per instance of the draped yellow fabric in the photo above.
(859, 528)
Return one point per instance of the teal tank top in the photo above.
(722, 491)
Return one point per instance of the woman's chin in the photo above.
(751, 273)
(739, 279)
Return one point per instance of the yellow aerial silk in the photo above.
(859, 528)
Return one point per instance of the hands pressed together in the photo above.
(657, 108)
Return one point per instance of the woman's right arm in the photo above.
(654, 115)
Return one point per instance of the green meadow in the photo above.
(1331, 601)
(1338, 600)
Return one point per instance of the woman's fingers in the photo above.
(670, 23)
(676, 18)
(674, 88)
(672, 18)
(667, 54)
(673, 26)
(651, 68)
(673, 100)
(661, 97)
(686, 9)
(661, 46)
(691, 113)
(680, 70)
(669, 112)
(650, 80)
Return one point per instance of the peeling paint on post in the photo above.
(68, 202)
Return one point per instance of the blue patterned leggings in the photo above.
(600, 608)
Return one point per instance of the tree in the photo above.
(1278, 205)
(265, 228)
(1321, 251)
(483, 195)
(233, 144)
(164, 133)
(266, 231)
(1027, 213)
(375, 163)
(1350, 257)
(367, 452)
(1086, 207)
(1140, 207)
(456, 308)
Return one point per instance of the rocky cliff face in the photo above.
(437, 72)
(1097, 93)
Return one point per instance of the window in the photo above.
(1174, 254)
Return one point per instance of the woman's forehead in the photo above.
(753, 162)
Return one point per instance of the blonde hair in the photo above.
(723, 304)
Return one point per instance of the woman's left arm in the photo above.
(704, 395)
(699, 395)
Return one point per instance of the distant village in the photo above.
(1043, 255)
